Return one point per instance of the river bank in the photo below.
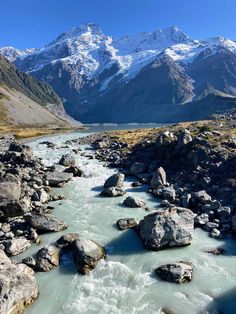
(125, 279)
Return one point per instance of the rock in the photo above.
(184, 138)
(126, 223)
(186, 199)
(201, 220)
(57, 178)
(100, 143)
(19, 148)
(138, 168)
(67, 160)
(66, 240)
(215, 251)
(10, 191)
(172, 227)
(10, 209)
(177, 272)
(202, 197)
(47, 258)
(215, 233)
(159, 178)
(86, 254)
(134, 202)
(116, 180)
(16, 246)
(113, 192)
(211, 225)
(18, 286)
(169, 194)
(40, 196)
(165, 203)
(76, 171)
(45, 223)
(29, 261)
(165, 138)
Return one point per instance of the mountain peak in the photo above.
(173, 33)
(91, 28)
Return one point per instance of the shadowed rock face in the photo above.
(39, 92)
(169, 228)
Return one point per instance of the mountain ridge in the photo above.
(88, 69)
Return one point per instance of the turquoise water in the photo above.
(124, 282)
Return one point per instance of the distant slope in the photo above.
(27, 101)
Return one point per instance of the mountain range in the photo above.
(160, 76)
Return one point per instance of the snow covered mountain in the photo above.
(133, 78)
(12, 53)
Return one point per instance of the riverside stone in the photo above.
(16, 246)
(176, 272)
(87, 254)
(126, 223)
(113, 191)
(132, 201)
(47, 258)
(159, 178)
(57, 178)
(168, 228)
(116, 180)
(18, 286)
(45, 223)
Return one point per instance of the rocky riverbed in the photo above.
(155, 157)
(192, 165)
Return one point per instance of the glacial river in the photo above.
(124, 283)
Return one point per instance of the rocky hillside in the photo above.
(159, 76)
(26, 101)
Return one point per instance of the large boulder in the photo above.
(67, 240)
(67, 160)
(45, 223)
(113, 191)
(116, 179)
(18, 286)
(158, 179)
(134, 202)
(56, 178)
(87, 254)
(168, 228)
(176, 272)
(47, 258)
(16, 246)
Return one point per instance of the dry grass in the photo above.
(24, 132)
(133, 137)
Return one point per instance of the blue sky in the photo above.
(34, 23)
